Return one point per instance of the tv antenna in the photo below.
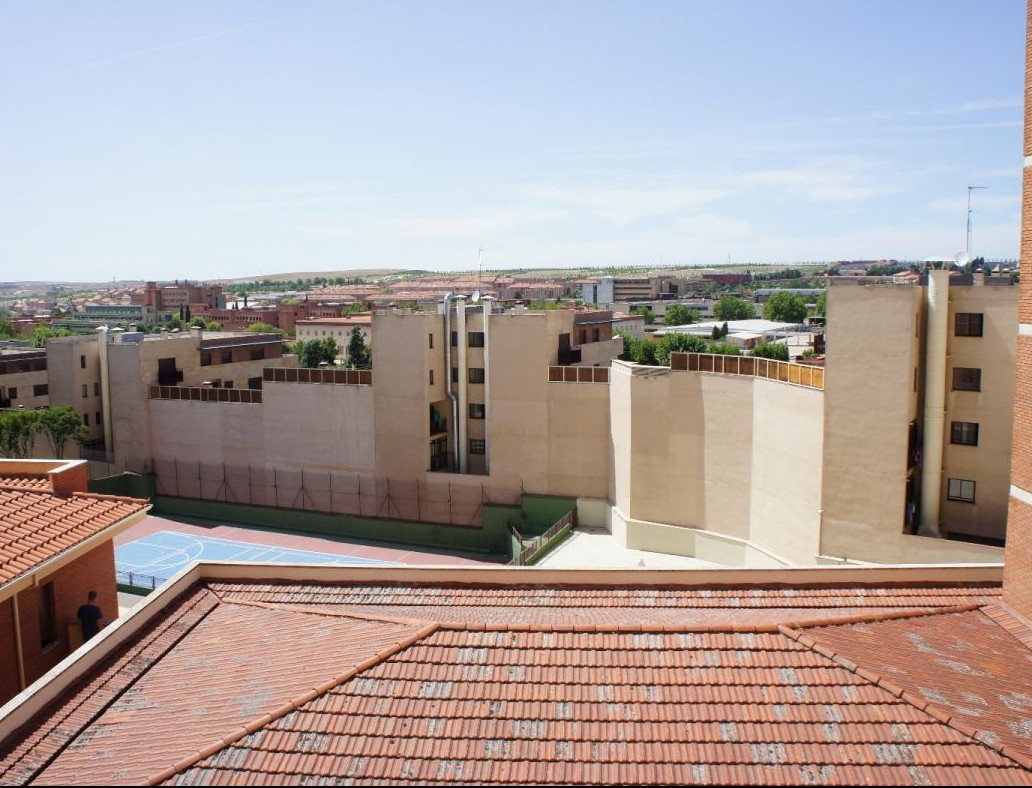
(967, 245)
(480, 267)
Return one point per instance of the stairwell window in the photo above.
(967, 379)
(477, 446)
(964, 433)
(476, 374)
(961, 490)
(476, 338)
(476, 410)
(967, 324)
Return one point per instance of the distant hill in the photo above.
(371, 273)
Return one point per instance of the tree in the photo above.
(646, 312)
(725, 349)
(822, 304)
(263, 328)
(60, 424)
(213, 326)
(774, 350)
(785, 307)
(353, 309)
(733, 308)
(197, 322)
(679, 315)
(643, 351)
(41, 334)
(310, 352)
(678, 343)
(18, 430)
(330, 350)
(358, 356)
(6, 329)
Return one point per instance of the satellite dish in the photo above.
(962, 258)
(475, 297)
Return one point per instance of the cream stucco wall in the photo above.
(988, 463)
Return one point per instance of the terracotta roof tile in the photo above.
(37, 482)
(301, 682)
(37, 526)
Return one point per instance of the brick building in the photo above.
(55, 546)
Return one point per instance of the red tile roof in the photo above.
(38, 482)
(37, 526)
(257, 682)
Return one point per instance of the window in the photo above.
(964, 433)
(205, 358)
(41, 390)
(967, 324)
(86, 419)
(227, 357)
(431, 341)
(967, 379)
(454, 374)
(431, 377)
(476, 374)
(476, 410)
(96, 389)
(254, 383)
(12, 393)
(476, 338)
(227, 384)
(455, 338)
(583, 336)
(97, 420)
(47, 615)
(961, 490)
(82, 362)
(477, 445)
(257, 353)
(85, 390)
(594, 335)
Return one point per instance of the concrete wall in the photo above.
(874, 352)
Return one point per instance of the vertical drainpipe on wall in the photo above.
(105, 390)
(937, 324)
(460, 311)
(18, 642)
(488, 302)
(447, 378)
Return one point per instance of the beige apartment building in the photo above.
(336, 328)
(23, 378)
(735, 460)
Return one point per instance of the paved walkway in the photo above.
(595, 548)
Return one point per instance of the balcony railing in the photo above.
(750, 366)
(206, 394)
(578, 374)
(338, 377)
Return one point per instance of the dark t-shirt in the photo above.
(90, 616)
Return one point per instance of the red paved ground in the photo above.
(399, 555)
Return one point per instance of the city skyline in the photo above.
(242, 139)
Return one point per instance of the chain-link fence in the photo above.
(359, 494)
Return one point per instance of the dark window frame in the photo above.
(964, 433)
(956, 488)
(477, 410)
(968, 324)
(476, 375)
(967, 379)
(475, 338)
(477, 446)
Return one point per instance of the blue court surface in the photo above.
(162, 554)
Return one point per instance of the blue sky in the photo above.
(223, 138)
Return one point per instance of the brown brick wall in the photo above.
(1025, 302)
(75, 479)
(1028, 82)
(1021, 452)
(8, 653)
(94, 571)
(1017, 568)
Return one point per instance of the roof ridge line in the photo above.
(985, 738)
(289, 706)
(153, 637)
(652, 629)
(864, 618)
(1011, 621)
(317, 611)
(105, 497)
